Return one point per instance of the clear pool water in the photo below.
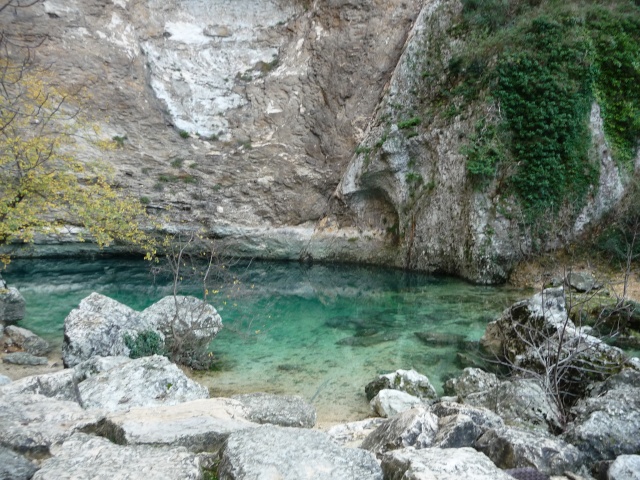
(321, 331)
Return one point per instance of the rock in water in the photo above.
(186, 321)
(12, 305)
(85, 456)
(293, 454)
(27, 340)
(440, 464)
(97, 327)
(283, 410)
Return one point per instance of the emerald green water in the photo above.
(322, 332)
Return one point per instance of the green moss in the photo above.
(412, 122)
(538, 66)
(145, 344)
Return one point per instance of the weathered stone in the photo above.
(353, 433)
(482, 417)
(530, 473)
(440, 339)
(439, 464)
(86, 456)
(142, 382)
(471, 380)
(14, 466)
(33, 423)
(58, 385)
(97, 327)
(4, 380)
(12, 305)
(414, 428)
(198, 425)
(457, 431)
(536, 334)
(519, 402)
(583, 281)
(388, 403)
(63, 385)
(283, 410)
(408, 381)
(515, 448)
(607, 424)
(625, 467)
(185, 321)
(293, 454)
(27, 340)
(24, 358)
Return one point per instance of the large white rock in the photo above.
(97, 326)
(625, 467)
(33, 423)
(283, 410)
(86, 456)
(408, 381)
(284, 453)
(413, 428)
(388, 403)
(440, 464)
(198, 425)
(142, 382)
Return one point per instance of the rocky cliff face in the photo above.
(241, 117)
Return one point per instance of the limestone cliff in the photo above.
(241, 117)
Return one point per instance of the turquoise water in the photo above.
(319, 331)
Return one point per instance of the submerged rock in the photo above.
(283, 410)
(414, 428)
(408, 381)
(24, 358)
(368, 341)
(440, 339)
(293, 454)
(86, 456)
(388, 403)
(440, 464)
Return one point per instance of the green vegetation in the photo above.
(145, 200)
(145, 344)
(538, 66)
(119, 140)
(177, 163)
(412, 122)
(184, 134)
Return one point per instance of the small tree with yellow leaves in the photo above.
(43, 185)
